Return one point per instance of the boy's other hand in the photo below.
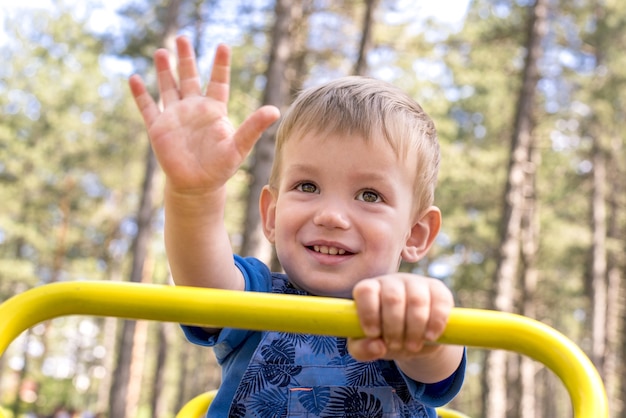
(400, 313)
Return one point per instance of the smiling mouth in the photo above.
(323, 249)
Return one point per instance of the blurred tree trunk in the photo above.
(605, 125)
(109, 325)
(616, 382)
(513, 207)
(157, 406)
(168, 389)
(199, 372)
(599, 155)
(606, 288)
(139, 349)
(598, 255)
(119, 403)
(277, 93)
(614, 364)
(118, 400)
(59, 255)
(163, 340)
(529, 249)
(549, 405)
(184, 386)
(360, 68)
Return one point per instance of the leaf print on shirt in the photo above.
(352, 403)
(323, 345)
(344, 358)
(280, 374)
(237, 410)
(298, 339)
(280, 351)
(341, 361)
(251, 382)
(319, 344)
(342, 346)
(271, 403)
(363, 374)
(280, 367)
(259, 377)
(315, 399)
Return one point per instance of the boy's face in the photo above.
(343, 212)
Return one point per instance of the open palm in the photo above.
(195, 143)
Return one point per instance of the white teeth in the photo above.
(329, 250)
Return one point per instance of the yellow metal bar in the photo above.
(306, 314)
(198, 406)
(447, 413)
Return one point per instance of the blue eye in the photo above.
(307, 188)
(369, 196)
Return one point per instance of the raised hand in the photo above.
(192, 137)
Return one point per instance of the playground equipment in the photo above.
(305, 314)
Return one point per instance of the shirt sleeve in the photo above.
(258, 278)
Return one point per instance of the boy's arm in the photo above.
(434, 365)
(196, 241)
(199, 150)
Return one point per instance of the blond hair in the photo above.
(370, 108)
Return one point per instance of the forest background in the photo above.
(528, 97)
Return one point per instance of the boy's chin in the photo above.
(330, 290)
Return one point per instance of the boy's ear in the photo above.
(422, 235)
(267, 209)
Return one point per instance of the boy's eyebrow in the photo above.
(300, 167)
(366, 175)
(379, 181)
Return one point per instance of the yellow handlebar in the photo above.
(304, 314)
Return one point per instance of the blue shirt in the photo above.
(272, 374)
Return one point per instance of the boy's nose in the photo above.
(331, 216)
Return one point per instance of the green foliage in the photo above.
(70, 150)
(65, 151)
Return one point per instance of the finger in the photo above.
(187, 68)
(441, 306)
(219, 83)
(366, 296)
(418, 305)
(366, 349)
(253, 127)
(145, 103)
(393, 300)
(167, 84)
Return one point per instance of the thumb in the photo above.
(253, 127)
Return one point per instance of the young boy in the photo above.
(350, 196)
